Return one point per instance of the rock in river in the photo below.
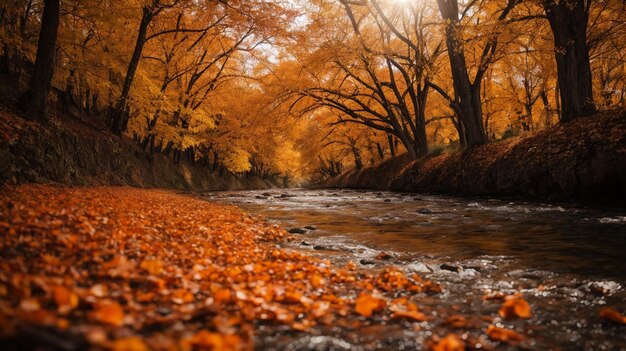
(451, 267)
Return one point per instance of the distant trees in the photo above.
(381, 78)
(34, 101)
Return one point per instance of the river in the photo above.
(568, 261)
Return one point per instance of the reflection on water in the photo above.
(568, 261)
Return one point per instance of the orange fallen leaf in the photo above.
(303, 325)
(99, 290)
(505, 335)
(30, 305)
(366, 304)
(317, 281)
(412, 315)
(153, 267)
(64, 299)
(320, 308)
(62, 323)
(451, 342)
(494, 296)
(514, 306)
(108, 312)
(612, 315)
(456, 321)
(222, 295)
(206, 340)
(129, 344)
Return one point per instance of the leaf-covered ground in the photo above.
(133, 269)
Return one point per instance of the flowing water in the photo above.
(568, 261)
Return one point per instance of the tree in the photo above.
(467, 101)
(568, 20)
(120, 118)
(34, 101)
(380, 79)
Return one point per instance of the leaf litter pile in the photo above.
(129, 269)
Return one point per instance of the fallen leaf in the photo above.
(494, 296)
(64, 299)
(206, 340)
(366, 304)
(412, 315)
(153, 267)
(505, 335)
(612, 315)
(129, 344)
(451, 342)
(222, 295)
(108, 312)
(456, 321)
(514, 306)
(30, 305)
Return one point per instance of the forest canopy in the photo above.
(303, 90)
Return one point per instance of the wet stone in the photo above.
(310, 227)
(425, 210)
(387, 200)
(297, 231)
(261, 197)
(163, 311)
(304, 243)
(419, 267)
(383, 256)
(451, 267)
(366, 262)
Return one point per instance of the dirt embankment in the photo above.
(70, 151)
(582, 160)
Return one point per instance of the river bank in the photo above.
(584, 160)
(72, 151)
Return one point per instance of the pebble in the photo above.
(451, 267)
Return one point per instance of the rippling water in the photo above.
(568, 261)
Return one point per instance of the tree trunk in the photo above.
(358, 163)
(392, 147)
(34, 100)
(119, 120)
(381, 152)
(467, 95)
(568, 21)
